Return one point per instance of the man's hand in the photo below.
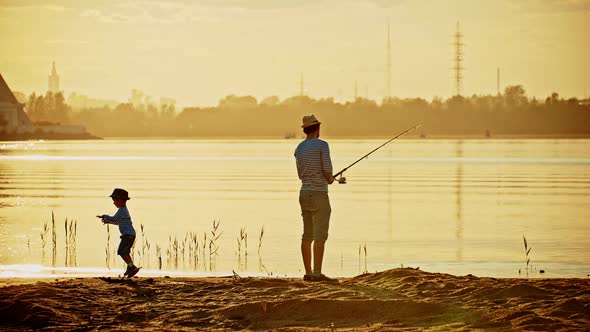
(329, 178)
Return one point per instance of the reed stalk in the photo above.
(148, 246)
(243, 243)
(75, 243)
(359, 258)
(175, 252)
(527, 258)
(53, 240)
(183, 249)
(143, 241)
(159, 256)
(213, 247)
(203, 251)
(245, 249)
(44, 241)
(67, 242)
(108, 248)
(260, 237)
(365, 250)
(239, 252)
(71, 229)
(195, 242)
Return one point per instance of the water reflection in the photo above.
(459, 204)
(390, 218)
(408, 203)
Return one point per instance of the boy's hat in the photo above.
(120, 193)
(309, 120)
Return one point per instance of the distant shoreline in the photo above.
(329, 137)
(31, 137)
(48, 136)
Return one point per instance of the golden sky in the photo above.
(199, 51)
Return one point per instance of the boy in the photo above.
(123, 220)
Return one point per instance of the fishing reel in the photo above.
(341, 179)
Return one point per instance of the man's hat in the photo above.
(120, 193)
(309, 120)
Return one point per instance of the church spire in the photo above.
(53, 80)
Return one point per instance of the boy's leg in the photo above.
(124, 251)
(127, 259)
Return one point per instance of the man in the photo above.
(314, 168)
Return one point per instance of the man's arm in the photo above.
(327, 163)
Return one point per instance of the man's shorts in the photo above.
(315, 210)
(125, 244)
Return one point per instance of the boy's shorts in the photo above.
(315, 210)
(125, 244)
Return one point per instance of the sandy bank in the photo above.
(400, 299)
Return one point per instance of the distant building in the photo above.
(13, 118)
(53, 80)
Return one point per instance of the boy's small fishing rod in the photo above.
(342, 180)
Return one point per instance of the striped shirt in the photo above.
(313, 160)
(123, 219)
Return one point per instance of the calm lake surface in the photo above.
(454, 206)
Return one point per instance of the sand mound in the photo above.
(344, 313)
(400, 299)
(522, 290)
(26, 313)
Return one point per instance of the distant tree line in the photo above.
(509, 114)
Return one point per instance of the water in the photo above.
(455, 206)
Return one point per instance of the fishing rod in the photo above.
(342, 179)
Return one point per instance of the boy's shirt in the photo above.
(123, 219)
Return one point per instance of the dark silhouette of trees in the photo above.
(50, 108)
(233, 102)
(509, 114)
